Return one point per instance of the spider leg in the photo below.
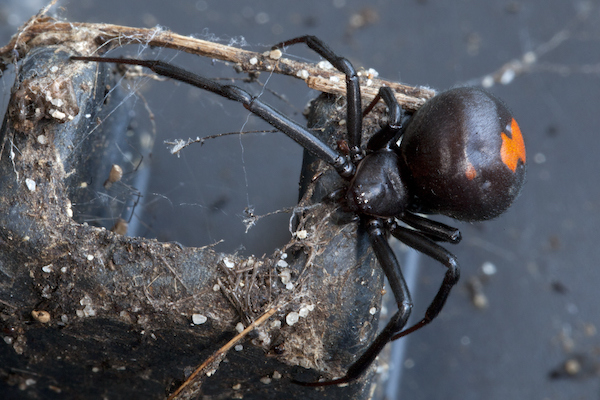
(292, 129)
(391, 267)
(427, 246)
(353, 99)
(395, 113)
(434, 230)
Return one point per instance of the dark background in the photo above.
(543, 297)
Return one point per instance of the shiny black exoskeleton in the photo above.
(461, 155)
(465, 155)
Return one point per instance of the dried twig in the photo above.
(219, 354)
(322, 77)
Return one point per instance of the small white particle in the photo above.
(276, 324)
(239, 347)
(292, 318)
(266, 380)
(237, 386)
(369, 82)
(88, 115)
(276, 375)
(373, 311)
(480, 300)
(539, 158)
(89, 311)
(90, 257)
(228, 263)
(508, 76)
(216, 288)
(282, 264)
(304, 311)
(285, 275)
(199, 319)
(239, 327)
(57, 114)
(30, 184)
(289, 286)
(47, 269)
(372, 73)
(57, 102)
(303, 74)
(529, 57)
(488, 268)
(303, 234)
(85, 300)
(334, 78)
(253, 61)
(487, 82)
(324, 65)
(42, 139)
(275, 54)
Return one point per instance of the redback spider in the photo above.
(460, 155)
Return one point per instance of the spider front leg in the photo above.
(353, 104)
(384, 138)
(427, 246)
(376, 229)
(291, 128)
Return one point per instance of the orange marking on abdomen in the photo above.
(513, 149)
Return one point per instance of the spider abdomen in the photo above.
(465, 155)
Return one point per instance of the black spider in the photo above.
(461, 155)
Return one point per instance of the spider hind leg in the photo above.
(376, 229)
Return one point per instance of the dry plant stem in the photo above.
(222, 351)
(43, 31)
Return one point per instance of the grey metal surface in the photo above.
(542, 300)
